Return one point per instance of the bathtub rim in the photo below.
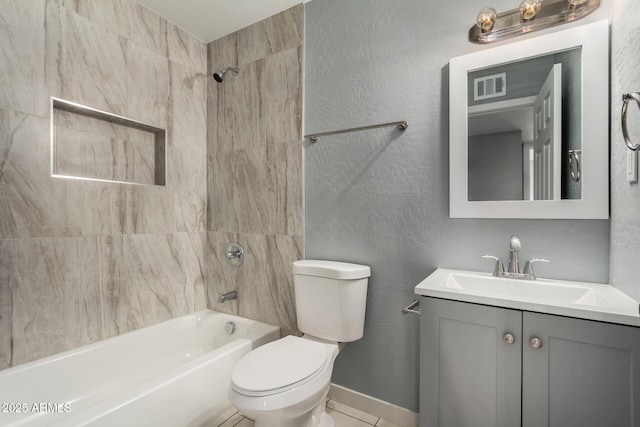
(101, 343)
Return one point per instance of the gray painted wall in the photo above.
(381, 197)
(495, 166)
(625, 198)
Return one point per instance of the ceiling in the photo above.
(210, 20)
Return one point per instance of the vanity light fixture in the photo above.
(530, 16)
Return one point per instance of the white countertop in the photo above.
(583, 300)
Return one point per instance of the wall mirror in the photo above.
(529, 128)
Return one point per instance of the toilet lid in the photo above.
(278, 366)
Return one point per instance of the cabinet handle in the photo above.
(536, 343)
(509, 338)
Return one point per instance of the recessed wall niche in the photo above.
(94, 145)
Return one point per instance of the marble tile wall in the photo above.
(254, 182)
(93, 148)
(82, 261)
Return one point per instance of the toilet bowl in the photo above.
(285, 383)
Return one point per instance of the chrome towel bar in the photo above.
(410, 309)
(402, 125)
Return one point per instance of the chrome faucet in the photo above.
(514, 248)
(228, 296)
(513, 269)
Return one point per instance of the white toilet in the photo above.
(285, 383)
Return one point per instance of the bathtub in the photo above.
(174, 374)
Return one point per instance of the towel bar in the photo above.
(635, 96)
(410, 309)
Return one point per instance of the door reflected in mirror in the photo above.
(523, 121)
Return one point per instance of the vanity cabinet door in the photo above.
(469, 374)
(584, 373)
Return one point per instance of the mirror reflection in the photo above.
(524, 122)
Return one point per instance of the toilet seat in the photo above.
(279, 366)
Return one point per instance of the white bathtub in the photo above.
(174, 374)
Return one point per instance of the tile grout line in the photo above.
(332, 409)
(243, 418)
(228, 418)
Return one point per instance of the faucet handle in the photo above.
(528, 266)
(499, 267)
(235, 254)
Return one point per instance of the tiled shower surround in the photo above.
(254, 167)
(81, 261)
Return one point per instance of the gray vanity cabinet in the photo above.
(468, 375)
(585, 374)
(479, 368)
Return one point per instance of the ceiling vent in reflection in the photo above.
(490, 86)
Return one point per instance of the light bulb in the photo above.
(529, 9)
(486, 18)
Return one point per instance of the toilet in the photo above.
(285, 383)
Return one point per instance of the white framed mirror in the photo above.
(529, 128)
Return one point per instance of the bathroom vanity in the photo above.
(506, 352)
(503, 351)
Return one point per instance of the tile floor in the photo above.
(344, 416)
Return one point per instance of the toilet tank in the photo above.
(331, 298)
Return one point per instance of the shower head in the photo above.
(219, 75)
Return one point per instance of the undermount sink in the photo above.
(579, 299)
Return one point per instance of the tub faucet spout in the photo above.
(228, 296)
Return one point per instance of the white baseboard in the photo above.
(388, 411)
